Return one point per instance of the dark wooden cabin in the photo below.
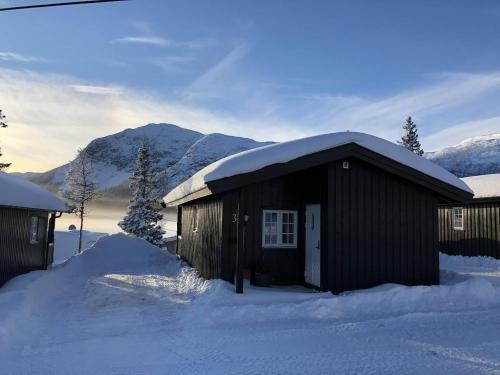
(473, 229)
(337, 212)
(27, 222)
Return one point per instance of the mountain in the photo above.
(179, 152)
(471, 157)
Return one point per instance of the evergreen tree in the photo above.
(3, 124)
(80, 187)
(143, 212)
(410, 139)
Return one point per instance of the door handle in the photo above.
(317, 247)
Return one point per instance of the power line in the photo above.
(58, 4)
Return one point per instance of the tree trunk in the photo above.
(80, 238)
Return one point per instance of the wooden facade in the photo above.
(18, 254)
(480, 235)
(379, 221)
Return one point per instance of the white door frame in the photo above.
(312, 264)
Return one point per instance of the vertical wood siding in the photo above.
(381, 229)
(202, 248)
(481, 233)
(290, 192)
(17, 254)
(376, 228)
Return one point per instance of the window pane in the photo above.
(274, 217)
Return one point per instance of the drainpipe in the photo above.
(239, 257)
(49, 249)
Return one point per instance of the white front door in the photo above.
(313, 245)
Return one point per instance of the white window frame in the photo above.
(454, 218)
(279, 233)
(35, 220)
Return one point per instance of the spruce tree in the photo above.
(410, 139)
(3, 124)
(143, 212)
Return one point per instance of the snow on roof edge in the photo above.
(17, 192)
(258, 158)
(484, 186)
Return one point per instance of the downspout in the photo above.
(49, 247)
(239, 268)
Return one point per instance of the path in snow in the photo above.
(125, 307)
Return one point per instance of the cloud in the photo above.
(98, 90)
(51, 115)
(13, 56)
(171, 64)
(163, 42)
(216, 82)
(151, 40)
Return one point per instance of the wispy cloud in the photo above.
(51, 115)
(448, 108)
(98, 90)
(13, 56)
(215, 82)
(159, 41)
(171, 64)
(151, 40)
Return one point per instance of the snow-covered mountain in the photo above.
(180, 153)
(471, 157)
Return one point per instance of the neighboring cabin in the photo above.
(27, 221)
(473, 229)
(337, 212)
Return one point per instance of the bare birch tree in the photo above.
(81, 187)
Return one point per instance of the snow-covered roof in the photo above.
(17, 192)
(486, 186)
(258, 158)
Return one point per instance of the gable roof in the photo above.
(279, 153)
(485, 186)
(17, 192)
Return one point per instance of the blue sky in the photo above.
(270, 70)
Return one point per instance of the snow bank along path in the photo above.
(485, 186)
(258, 158)
(17, 192)
(126, 307)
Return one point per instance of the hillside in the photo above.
(179, 152)
(471, 157)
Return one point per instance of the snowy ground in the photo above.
(66, 243)
(125, 307)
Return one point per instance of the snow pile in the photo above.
(264, 306)
(116, 261)
(126, 307)
(17, 192)
(485, 186)
(252, 160)
(66, 243)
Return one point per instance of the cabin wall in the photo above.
(17, 254)
(289, 192)
(481, 233)
(202, 248)
(381, 229)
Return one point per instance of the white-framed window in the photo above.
(34, 230)
(279, 228)
(195, 218)
(457, 216)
